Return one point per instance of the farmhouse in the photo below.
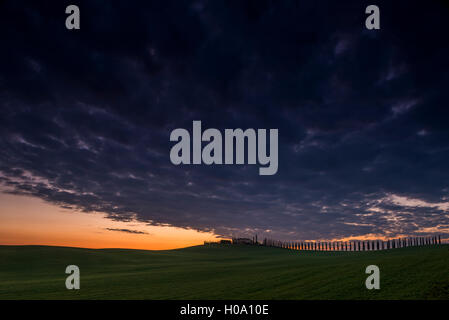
(242, 241)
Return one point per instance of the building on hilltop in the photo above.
(242, 241)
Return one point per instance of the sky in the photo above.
(86, 117)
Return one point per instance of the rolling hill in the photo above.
(222, 272)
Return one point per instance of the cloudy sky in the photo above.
(86, 115)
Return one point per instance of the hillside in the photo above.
(222, 272)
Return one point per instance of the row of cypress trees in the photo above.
(366, 245)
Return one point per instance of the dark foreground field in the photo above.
(222, 272)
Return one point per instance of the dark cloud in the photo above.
(86, 115)
(127, 231)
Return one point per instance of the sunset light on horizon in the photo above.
(32, 221)
(27, 220)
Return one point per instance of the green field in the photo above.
(222, 272)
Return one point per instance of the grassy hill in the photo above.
(222, 272)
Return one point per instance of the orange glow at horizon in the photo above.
(27, 220)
